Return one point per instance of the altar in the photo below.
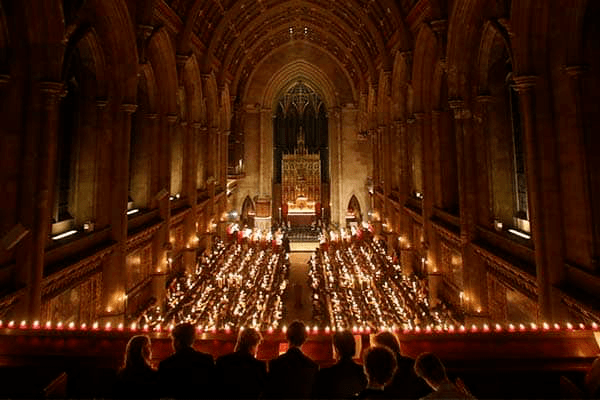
(301, 185)
(301, 212)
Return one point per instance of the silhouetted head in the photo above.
(248, 341)
(389, 340)
(380, 365)
(296, 333)
(138, 352)
(429, 367)
(183, 336)
(344, 344)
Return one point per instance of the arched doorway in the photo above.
(300, 156)
(353, 213)
(248, 212)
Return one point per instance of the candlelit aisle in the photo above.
(299, 292)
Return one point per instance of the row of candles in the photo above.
(240, 285)
(357, 284)
(440, 329)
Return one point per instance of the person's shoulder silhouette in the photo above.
(187, 373)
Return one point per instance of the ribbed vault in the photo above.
(238, 35)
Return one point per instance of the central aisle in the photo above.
(299, 303)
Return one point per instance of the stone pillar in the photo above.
(212, 155)
(103, 183)
(484, 102)
(45, 148)
(406, 245)
(437, 187)
(154, 149)
(576, 74)
(542, 197)
(203, 152)
(113, 274)
(473, 267)
(190, 194)
(338, 213)
(224, 157)
(266, 153)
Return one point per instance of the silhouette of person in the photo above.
(292, 374)
(405, 384)
(136, 378)
(187, 373)
(239, 374)
(379, 364)
(344, 379)
(429, 367)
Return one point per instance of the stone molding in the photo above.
(447, 234)
(178, 218)
(75, 273)
(509, 274)
(139, 239)
(10, 300)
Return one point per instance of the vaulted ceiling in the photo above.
(237, 35)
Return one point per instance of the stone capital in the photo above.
(525, 83)
(420, 116)
(4, 79)
(151, 116)
(172, 118)
(182, 59)
(484, 99)
(439, 26)
(101, 103)
(52, 92)
(128, 108)
(575, 71)
(460, 109)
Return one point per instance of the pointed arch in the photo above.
(162, 57)
(247, 213)
(426, 54)
(400, 79)
(212, 98)
(353, 210)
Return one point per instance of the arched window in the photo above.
(506, 152)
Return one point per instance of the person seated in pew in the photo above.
(429, 367)
(405, 384)
(379, 364)
(187, 374)
(239, 374)
(292, 374)
(344, 379)
(137, 378)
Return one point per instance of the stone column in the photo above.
(45, 147)
(437, 187)
(102, 179)
(189, 193)
(203, 152)
(113, 274)
(406, 249)
(542, 192)
(154, 150)
(224, 158)
(473, 268)
(212, 153)
(484, 102)
(576, 79)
